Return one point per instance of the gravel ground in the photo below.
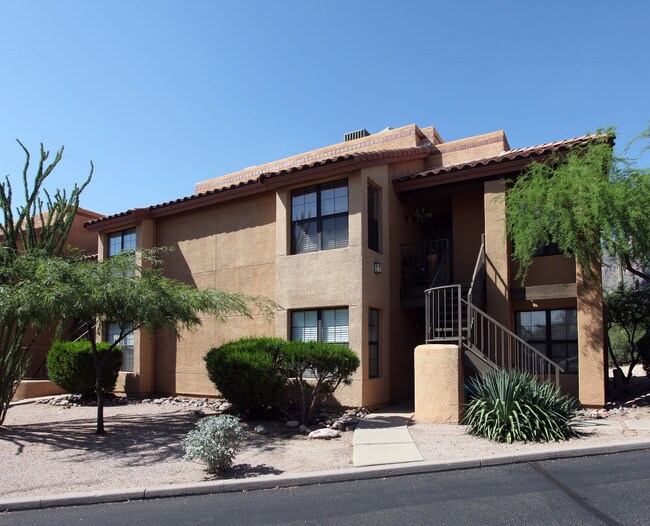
(46, 449)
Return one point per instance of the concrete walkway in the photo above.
(383, 438)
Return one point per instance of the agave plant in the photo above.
(510, 406)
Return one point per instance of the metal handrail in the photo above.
(443, 324)
(498, 344)
(478, 275)
(521, 355)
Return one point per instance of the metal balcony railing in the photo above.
(426, 263)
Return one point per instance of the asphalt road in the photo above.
(610, 489)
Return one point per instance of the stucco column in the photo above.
(439, 394)
(497, 260)
(591, 338)
(142, 379)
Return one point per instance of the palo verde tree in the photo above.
(585, 200)
(36, 229)
(132, 291)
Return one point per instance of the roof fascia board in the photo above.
(464, 174)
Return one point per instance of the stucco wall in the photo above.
(228, 246)
(323, 279)
(468, 225)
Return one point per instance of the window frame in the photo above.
(127, 345)
(373, 344)
(319, 324)
(374, 235)
(122, 234)
(319, 218)
(571, 361)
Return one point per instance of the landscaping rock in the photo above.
(260, 430)
(325, 434)
(292, 423)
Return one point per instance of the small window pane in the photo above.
(127, 344)
(335, 326)
(531, 326)
(305, 237)
(334, 198)
(335, 233)
(373, 343)
(303, 204)
(304, 326)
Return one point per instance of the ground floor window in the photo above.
(554, 333)
(127, 344)
(373, 343)
(322, 325)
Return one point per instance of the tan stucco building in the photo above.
(346, 239)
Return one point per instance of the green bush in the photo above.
(509, 406)
(70, 366)
(215, 441)
(247, 374)
(317, 369)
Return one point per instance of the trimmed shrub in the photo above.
(70, 366)
(215, 440)
(246, 372)
(317, 369)
(509, 406)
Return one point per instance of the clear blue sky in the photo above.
(163, 94)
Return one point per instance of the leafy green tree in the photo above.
(132, 292)
(38, 228)
(585, 200)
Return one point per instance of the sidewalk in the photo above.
(383, 438)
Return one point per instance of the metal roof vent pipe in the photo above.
(359, 134)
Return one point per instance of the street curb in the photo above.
(265, 482)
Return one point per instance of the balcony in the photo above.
(424, 265)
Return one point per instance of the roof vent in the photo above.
(351, 136)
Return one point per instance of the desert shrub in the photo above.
(317, 369)
(215, 440)
(70, 366)
(509, 406)
(247, 373)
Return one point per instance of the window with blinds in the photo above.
(373, 343)
(319, 217)
(554, 333)
(112, 335)
(373, 218)
(324, 325)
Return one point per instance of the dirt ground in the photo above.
(46, 449)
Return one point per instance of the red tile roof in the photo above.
(347, 159)
(510, 155)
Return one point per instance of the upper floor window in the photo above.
(373, 218)
(121, 241)
(552, 249)
(319, 217)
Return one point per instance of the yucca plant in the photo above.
(511, 406)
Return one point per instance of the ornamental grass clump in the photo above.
(215, 440)
(511, 406)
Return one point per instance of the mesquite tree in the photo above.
(36, 229)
